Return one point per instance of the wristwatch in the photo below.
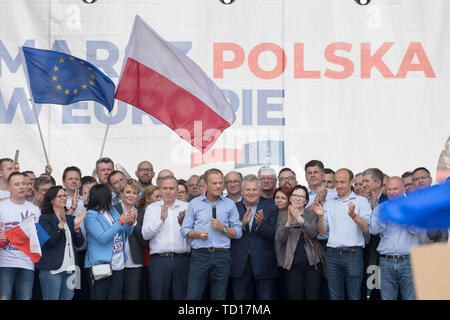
(225, 229)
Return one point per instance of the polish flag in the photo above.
(24, 237)
(163, 82)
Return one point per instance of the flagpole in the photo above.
(106, 133)
(40, 132)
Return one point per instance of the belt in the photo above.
(352, 250)
(171, 254)
(212, 249)
(406, 256)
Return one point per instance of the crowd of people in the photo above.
(215, 236)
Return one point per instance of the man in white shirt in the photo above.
(168, 249)
(16, 268)
(6, 168)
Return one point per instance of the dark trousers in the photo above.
(303, 281)
(204, 266)
(109, 288)
(84, 292)
(244, 285)
(168, 276)
(133, 283)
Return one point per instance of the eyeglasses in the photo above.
(233, 181)
(180, 193)
(148, 170)
(298, 196)
(291, 178)
(60, 196)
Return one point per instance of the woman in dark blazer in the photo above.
(58, 264)
(133, 278)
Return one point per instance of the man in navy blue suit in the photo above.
(253, 262)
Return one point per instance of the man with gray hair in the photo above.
(268, 179)
(253, 260)
(192, 187)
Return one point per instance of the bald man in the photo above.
(345, 218)
(394, 249)
(145, 173)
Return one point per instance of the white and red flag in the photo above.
(25, 238)
(162, 81)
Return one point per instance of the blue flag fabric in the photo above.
(42, 234)
(59, 78)
(426, 208)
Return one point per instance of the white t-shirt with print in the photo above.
(11, 215)
(118, 258)
(4, 194)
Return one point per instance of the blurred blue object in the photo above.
(426, 208)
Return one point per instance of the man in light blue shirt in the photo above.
(345, 219)
(211, 221)
(394, 248)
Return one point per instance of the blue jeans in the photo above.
(204, 266)
(58, 286)
(396, 273)
(20, 279)
(344, 268)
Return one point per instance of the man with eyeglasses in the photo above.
(145, 173)
(421, 178)
(268, 178)
(192, 185)
(286, 177)
(16, 268)
(233, 185)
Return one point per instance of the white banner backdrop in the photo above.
(354, 86)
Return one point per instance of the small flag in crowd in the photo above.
(25, 238)
(59, 78)
(425, 208)
(160, 80)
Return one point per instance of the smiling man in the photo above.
(16, 268)
(253, 260)
(345, 218)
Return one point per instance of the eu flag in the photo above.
(59, 78)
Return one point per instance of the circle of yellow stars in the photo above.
(74, 91)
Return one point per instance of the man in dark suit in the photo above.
(372, 185)
(253, 261)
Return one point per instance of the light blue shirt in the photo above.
(395, 239)
(198, 218)
(331, 194)
(342, 230)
